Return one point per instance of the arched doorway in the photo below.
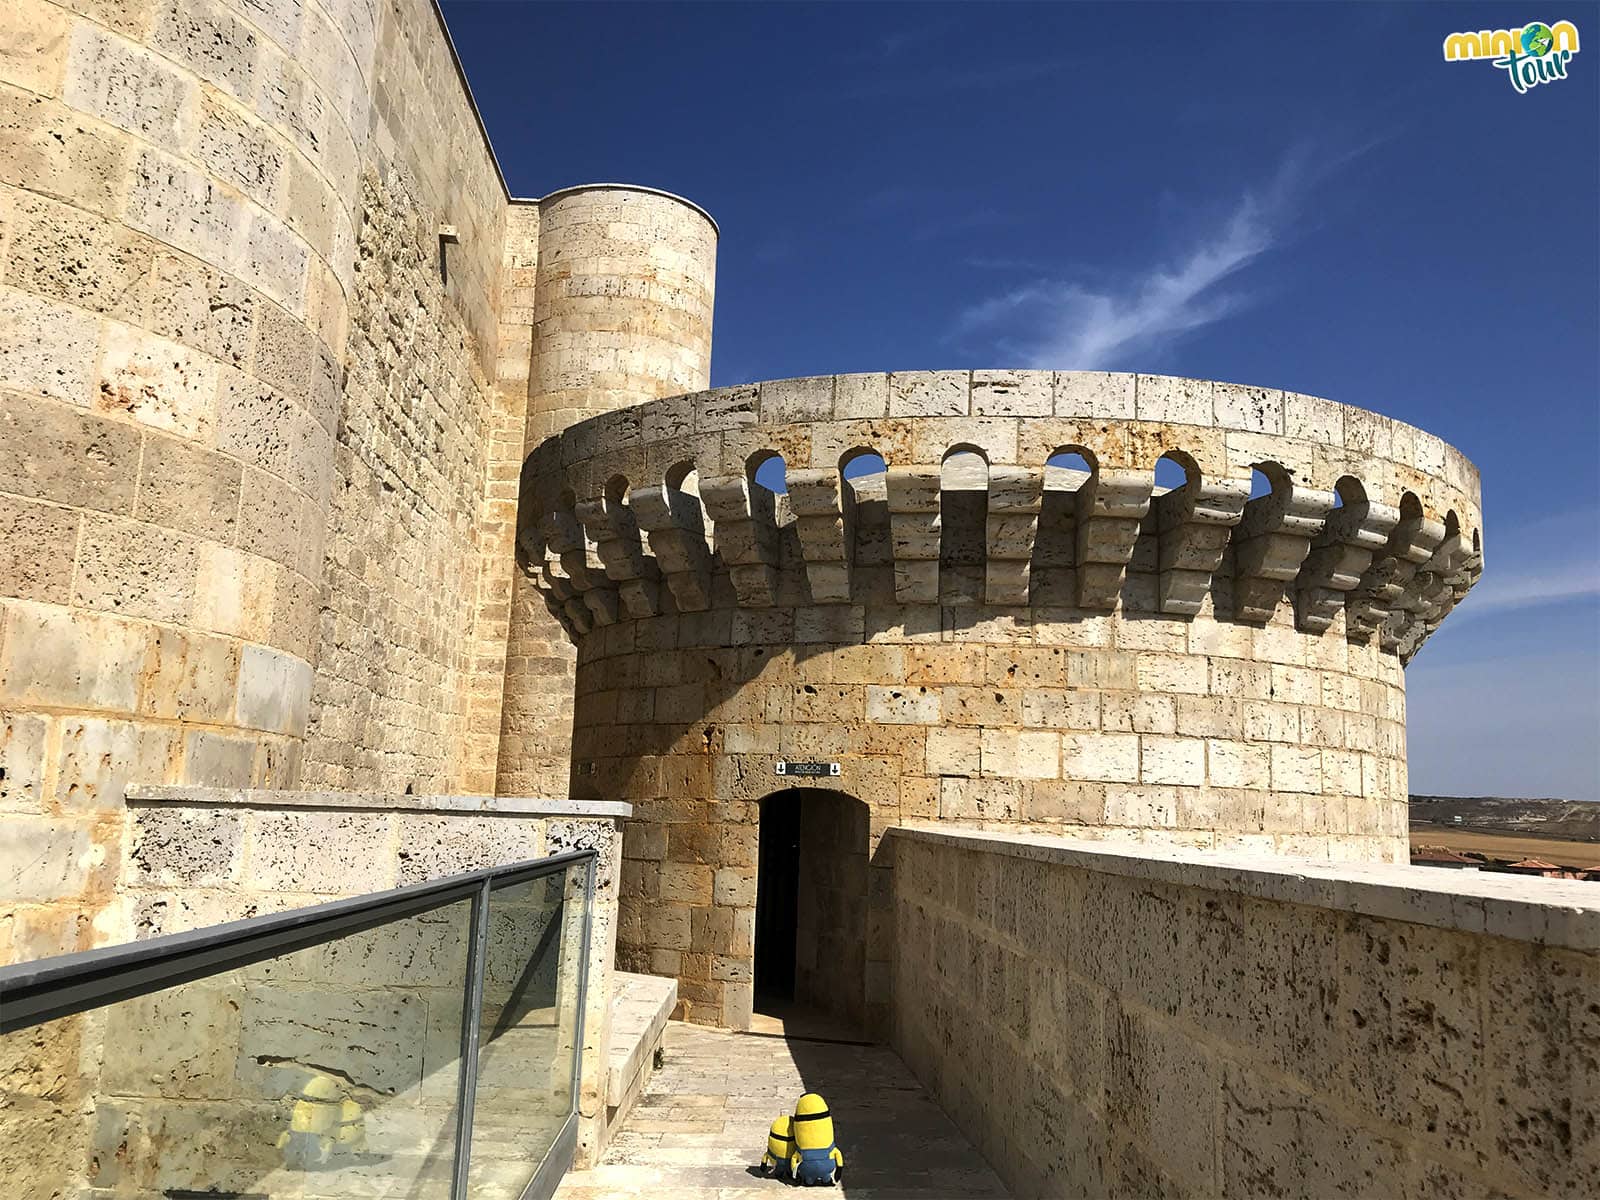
(811, 904)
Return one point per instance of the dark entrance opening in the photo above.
(811, 904)
(777, 900)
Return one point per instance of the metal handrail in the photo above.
(50, 988)
(47, 989)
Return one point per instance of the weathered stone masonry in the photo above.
(979, 636)
(267, 375)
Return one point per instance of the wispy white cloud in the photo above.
(1071, 323)
(1554, 559)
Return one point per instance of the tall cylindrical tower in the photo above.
(622, 307)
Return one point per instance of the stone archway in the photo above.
(811, 903)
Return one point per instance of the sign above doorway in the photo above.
(806, 768)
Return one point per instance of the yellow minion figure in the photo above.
(815, 1159)
(780, 1145)
(322, 1119)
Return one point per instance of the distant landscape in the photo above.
(1502, 831)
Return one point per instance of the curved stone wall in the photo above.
(622, 304)
(979, 636)
(183, 191)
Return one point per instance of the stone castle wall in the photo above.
(1100, 1022)
(257, 500)
(979, 637)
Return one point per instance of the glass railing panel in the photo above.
(327, 1072)
(529, 1029)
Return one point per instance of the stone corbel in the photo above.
(1111, 507)
(914, 505)
(614, 532)
(1368, 606)
(672, 521)
(1270, 543)
(746, 536)
(815, 498)
(1015, 494)
(1339, 556)
(1194, 523)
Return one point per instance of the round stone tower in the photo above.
(974, 604)
(623, 292)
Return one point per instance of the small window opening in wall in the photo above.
(866, 463)
(447, 237)
(772, 475)
(1066, 471)
(1170, 475)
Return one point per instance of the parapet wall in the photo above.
(1167, 1024)
(975, 635)
(198, 856)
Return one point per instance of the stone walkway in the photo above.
(701, 1125)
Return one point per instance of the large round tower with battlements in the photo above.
(971, 601)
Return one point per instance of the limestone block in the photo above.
(860, 396)
(37, 544)
(46, 349)
(1133, 712)
(1101, 757)
(33, 46)
(1172, 673)
(1028, 754)
(188, 847)
(176, 1044)
(234, 591)
(194, 305)
(213, 43)
(218, 760)
(135, 569)
(1172, 760)
(1012, 393)
(127, 86)
(188, 488)
(1174, 401)
(952, 751)
(1295, 769)
(44, 858)
(270, 517)
(1312, 419)
(735, 887)
(962, 799)
(22, 761)
(903, 706)
(100, 759)
(928, 393)
(789, 400)
(63, 253)
(320, 852)
(73, 660)
(184, 208)
(429, 950)
(274, 690)
(1251, 409)
(275, 260)
(1064, 800)
(157, 383)
(1052, 709)
(46, 147)
(1094, 394)
(373, 1038)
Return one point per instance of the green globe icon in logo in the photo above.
(1537, 40)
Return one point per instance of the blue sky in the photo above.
(1299, 196)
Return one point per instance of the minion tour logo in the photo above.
(1534, 54)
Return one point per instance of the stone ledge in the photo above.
(1551, 912)
(640, 1008)
(518, 806)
